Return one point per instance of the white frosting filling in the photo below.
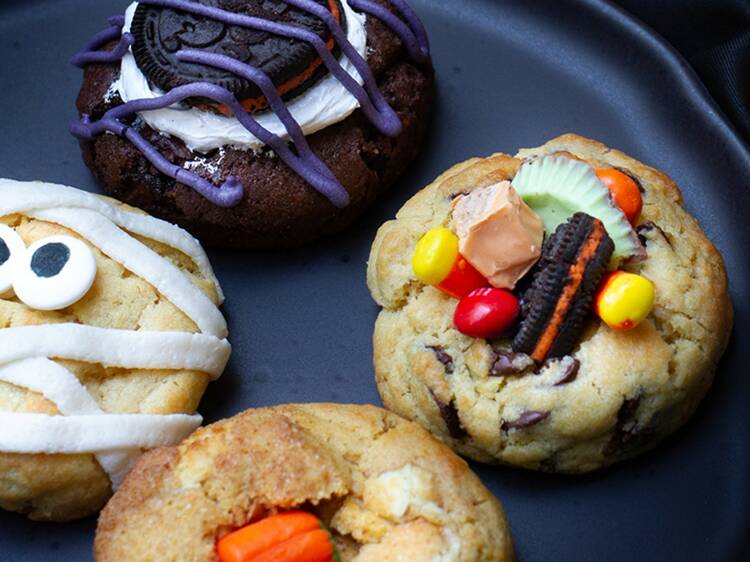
(25, 351)
(326, 103)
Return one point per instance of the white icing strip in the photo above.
(144, 262)
(31, 433)
(116, 348)
(24, 197)
(52, 380)
(60, 386)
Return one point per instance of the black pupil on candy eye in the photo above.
(49, 260)
(4, 252)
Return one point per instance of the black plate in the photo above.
(511, 74)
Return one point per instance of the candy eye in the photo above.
(11, 250)
(54, 273)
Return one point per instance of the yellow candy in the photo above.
(625, 300)
(434, 256)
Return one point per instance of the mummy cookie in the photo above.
(255, 124)
(588, 337)
(109, 333)
(313, 482)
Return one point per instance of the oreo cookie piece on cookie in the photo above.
(561, 295)
(292, 65)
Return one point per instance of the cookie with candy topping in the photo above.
(593, 396)
(385, 488)
(255, 124)
(94, 293)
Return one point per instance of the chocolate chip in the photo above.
(443, 357)
(525, 420)
(50, 259)
(4, 252)
(449, 413)
(648, 226)
(627, 436)
(507, 363)
(453, 196)
(571, 373)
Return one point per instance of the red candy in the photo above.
(486, 313)
(462, 279)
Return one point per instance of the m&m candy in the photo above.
(437, 262)
(486, 313)
(625, 192)
(624, 300)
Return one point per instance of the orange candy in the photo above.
(295, 536)
(625, 192)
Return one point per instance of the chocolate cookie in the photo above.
(245, 186)
(589, 400)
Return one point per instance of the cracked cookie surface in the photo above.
(617, 394)
(387, 490)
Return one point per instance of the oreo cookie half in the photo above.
(293, 66)
(561, 295)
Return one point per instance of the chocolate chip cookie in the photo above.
(610, 393)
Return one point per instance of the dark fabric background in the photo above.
(714, 36)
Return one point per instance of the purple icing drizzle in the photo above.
(90, 53)
(302, 160)
(370, 98)
(87, 57)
